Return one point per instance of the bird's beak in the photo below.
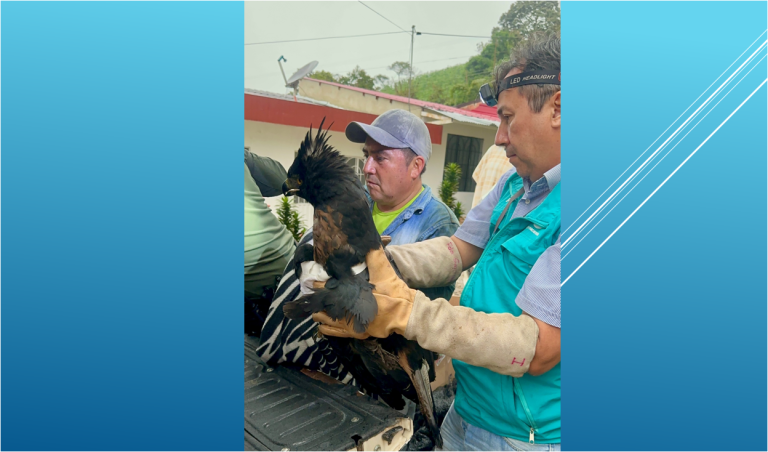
(288, 188)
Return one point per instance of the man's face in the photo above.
(387, 175)
(532, 140)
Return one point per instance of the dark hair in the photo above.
(409, 156)
(539, 53)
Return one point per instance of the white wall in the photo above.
(281, 142)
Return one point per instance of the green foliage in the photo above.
(530, 17)
(460, 84)
(449, 187)
(381, 81)
(323, 75)
(288, 216)
(399, 85)
(356, 77)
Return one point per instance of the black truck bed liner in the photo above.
(287, 410)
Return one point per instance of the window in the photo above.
(357, 163)
(466, 152)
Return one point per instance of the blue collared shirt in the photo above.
(540, 294)
(426, 218)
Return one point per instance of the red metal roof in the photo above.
(483, 109)
(273, 109)
(482, 114)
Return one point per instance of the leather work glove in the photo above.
(431, 263)
(394, 297)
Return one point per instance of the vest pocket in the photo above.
(520, 249)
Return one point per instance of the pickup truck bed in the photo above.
(287, 410)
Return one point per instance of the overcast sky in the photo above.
(279, 21)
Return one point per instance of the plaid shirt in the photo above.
(493, 164)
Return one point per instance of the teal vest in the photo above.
(518, 408)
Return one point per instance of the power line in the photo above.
(398, 26)
(458, 36)
(318, 39)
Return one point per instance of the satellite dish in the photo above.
(293, 82)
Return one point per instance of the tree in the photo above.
(463, 93)
(357, 77)
(529, 17)
(404, 71)
(323, 75)
(517, 24)
(289, 217)
(381, 81)
(449, 187)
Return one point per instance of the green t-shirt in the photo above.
(384, 219)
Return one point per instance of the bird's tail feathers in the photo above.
(420, 379)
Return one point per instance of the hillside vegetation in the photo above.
(460, 84)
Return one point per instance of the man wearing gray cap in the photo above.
(397, 148)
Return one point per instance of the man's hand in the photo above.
(394, 297)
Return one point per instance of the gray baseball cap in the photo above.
(396, 129)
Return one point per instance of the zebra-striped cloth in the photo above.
(293, 341)
(286, 340)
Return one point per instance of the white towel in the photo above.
(311, 271)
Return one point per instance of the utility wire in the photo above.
(398, 26)
(318, 39)
(458, 36)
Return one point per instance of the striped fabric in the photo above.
(293, 341)
(493, 164)
(540, 295)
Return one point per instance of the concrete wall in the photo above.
(351, 100)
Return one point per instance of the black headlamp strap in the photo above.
(529, 78)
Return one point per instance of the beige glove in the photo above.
(431, 263)
(502, 343)
(394, 297)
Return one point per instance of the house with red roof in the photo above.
(275, 125)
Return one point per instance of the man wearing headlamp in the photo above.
(505, 336)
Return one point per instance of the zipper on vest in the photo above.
(519, 391)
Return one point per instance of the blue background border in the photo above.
(122, 317)
(122, 124)
(664, 339)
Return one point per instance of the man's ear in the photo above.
(555, 106)
(417, 165)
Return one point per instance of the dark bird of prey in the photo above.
(344, 233)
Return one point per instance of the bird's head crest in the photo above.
(317, 168)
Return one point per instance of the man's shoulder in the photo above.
(437, 208)
(510, 173)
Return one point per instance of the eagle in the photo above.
(344, 233)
